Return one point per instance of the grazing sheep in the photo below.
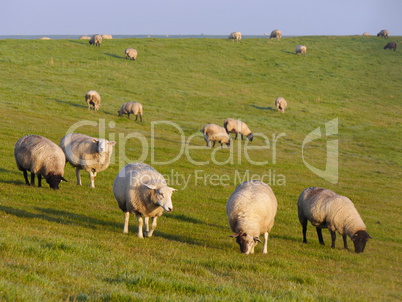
(107, 37)
(390, 45)
(251, 211)
(236, 35)
(131, 108)
(44, 38)
(41, 157)
(87, 153)
(281, 104)
(301, 49)
(215, 133)
(95, 40)
(276, 33)
(141, 190)
(366, 34)
(383, 33)
(85, 38)
(326, 209)
(93, 100)
(236, 126)
(130, 53)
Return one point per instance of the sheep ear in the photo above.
(62, 178)
(173, 189)
(257, 239)
(95, 140)
(235, 235)
(152, 187)
(112, 143)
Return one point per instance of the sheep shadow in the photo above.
(263, 108)
(188, 219)
(114, 56)
(290, 52)
(69, 103)
(80, 42)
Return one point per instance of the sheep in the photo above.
(251, 211)
(41, 157)
(281, 104)
(87, 153)
(366, 34)
(85, 38)
(44, 38)
(131, 54)
(95, 40)
(276, 33)
(301, 49)
(131, 107)
(215, 133)
(236, 126)
(383, 33)
(390, 45)
(141, 190)
(93, 100)
(326, 209)
(107, 37)
(236, 35)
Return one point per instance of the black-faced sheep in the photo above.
(251, 211)
(141, 190)
(87, 153)
(214, 133)
(281, 104)
(131, 108)
(326, 209)
(41, 157)
(93, 100)
(383, 33)
(390, 45)
(301, 49)
(130, 53)
(236, 127)
(236, 35)
(96, 40)
(276, 33)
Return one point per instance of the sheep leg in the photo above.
(26, 177)
(345, 243)
(333, 237)
(146, 219)
(140, 224)
(153, 226)
(78, 175)
(319, 233)
(126, 219)
(32, 179)
(206, 139)
(213, 144)
(39, 180)
(236, 136)
(128, 115)
(265, 250)
(140, 117)
(92, 176)
(304, 225)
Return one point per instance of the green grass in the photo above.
(68, 245)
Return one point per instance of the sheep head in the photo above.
(163, 196)
(360, 239)
(246, 242)
(53, 180)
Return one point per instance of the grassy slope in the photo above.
(68, 244)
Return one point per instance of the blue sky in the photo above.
(212, 17)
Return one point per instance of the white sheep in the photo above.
(276, 33)
(326, 209)
(41, 157)
(214, 133)
(107, 37)
(236, 35)
(251, 211)
(130, 53)
(236, 127)
(281, 104)
(93, 100)
(141, 190)
(96, 40)
(85, 38)
(383, 33)
(131, 108)
(87, 153)
(301, 49)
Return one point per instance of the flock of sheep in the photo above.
(141, 190)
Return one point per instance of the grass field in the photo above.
(68, 244)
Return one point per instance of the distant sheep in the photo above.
(366, 34)
(130, 53)
(131, 108)
(214, 133)
(281, 104)
(276, 33)
(95, 40)
(85, 38)
(236, 127)
(236, 35)
(390, 45)
(141, 190)
(383, 33)
(326, 209)
(251, 211)
(107, 37)
(301, 49)
(41, 157)
(44, 38)
(87, 153)
(93, 100)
